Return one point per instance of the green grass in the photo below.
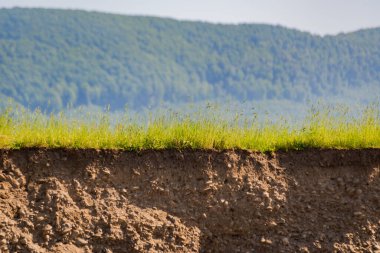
(327, 128)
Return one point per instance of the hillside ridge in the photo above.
(54, 58)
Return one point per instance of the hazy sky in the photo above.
(316, 16)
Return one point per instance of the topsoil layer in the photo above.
(58, 200)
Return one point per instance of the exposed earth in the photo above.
(68, 200)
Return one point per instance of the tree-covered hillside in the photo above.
(52, 58)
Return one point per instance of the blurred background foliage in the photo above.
(55, 58)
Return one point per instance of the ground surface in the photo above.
(189, 201)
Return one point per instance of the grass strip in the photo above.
(320, 129)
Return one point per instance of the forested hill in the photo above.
(52, 58)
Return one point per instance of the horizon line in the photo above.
(106, 12)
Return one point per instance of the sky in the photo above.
(315, 16)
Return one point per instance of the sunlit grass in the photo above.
(325, 128)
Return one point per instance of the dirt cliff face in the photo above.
(56, 200)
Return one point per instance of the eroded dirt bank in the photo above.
(189, 201)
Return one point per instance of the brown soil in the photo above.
(56, 200)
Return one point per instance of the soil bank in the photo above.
(66, 200)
